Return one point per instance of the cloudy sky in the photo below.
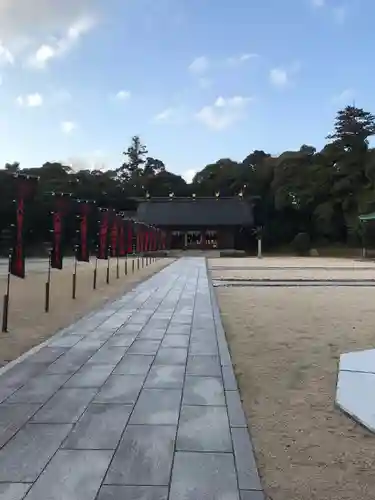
(197, 79)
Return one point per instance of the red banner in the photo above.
(26, 188)
(83, 253)
(129, 236)
(103, 234)
(57, 253)
(121, 237)
(114, 235)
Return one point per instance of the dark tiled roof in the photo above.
(200, 212)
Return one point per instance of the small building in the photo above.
(201, 222)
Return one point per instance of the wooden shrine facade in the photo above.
(201, 223)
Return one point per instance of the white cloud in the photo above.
(60, 46)
(6, 57)
(189, 175)
(42, 27)
(279, 77)
(224, 112)
(238, 60)
(344, 96)
(68, 127)
(165, 115)
(199, 65)
(30, 101)
(123, 95)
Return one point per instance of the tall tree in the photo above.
(135, 156)
(153, 166)
(353, 127)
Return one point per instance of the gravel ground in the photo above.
(285, 344)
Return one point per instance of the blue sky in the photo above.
(196, 79)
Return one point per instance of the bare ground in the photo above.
(285, 345)
(29, 325)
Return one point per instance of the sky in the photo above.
(198, 80)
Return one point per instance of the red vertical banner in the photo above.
(58, 215)
(25, 189)
(103, 234)
(129, 236)
(146, 238)
(121, 237)
(138, 247)
(83, 253)
(114, 235)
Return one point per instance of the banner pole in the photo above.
(6, 298)
(48, 284)
(74, 283)
(118, 267)
(126, 264)
(108, 265)
(95, 273)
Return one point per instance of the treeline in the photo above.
(320, 193)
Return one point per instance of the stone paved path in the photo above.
(137, 401)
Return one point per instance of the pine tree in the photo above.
(353, 127)
(135, 158)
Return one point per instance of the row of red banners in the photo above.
(116, 236)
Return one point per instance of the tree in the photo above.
(153, 166)
(353, 127)
(135, 158)
(12, 168)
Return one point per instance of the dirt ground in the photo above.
(29, 325)
(285, 344)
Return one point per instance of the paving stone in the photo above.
(230, 382)
(205, 366)
(91, 375)
(13, 491)
(144, 347)
(171, 356)
(88, 345)
(99, 428)
(12, 418)
(71, 361)
(203, 346)
(252, 495)
(18, 376)
(65, 407)
(235, 412)
(152, 334)
(202, 391)
(24, 457)
(247, 471)
(204, 428)
(134, 364)
(179, 329)
(72, 475)
(165, 377)
(157, 407)
(144, 456)
(39, 389)
(208, 476)
(130, 328)
(133, 493)
(66, 341)
(121, 389)
(123, 340)
(109, 355)
(46, 355)
(175, 341)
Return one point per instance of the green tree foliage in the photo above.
(318, 193)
